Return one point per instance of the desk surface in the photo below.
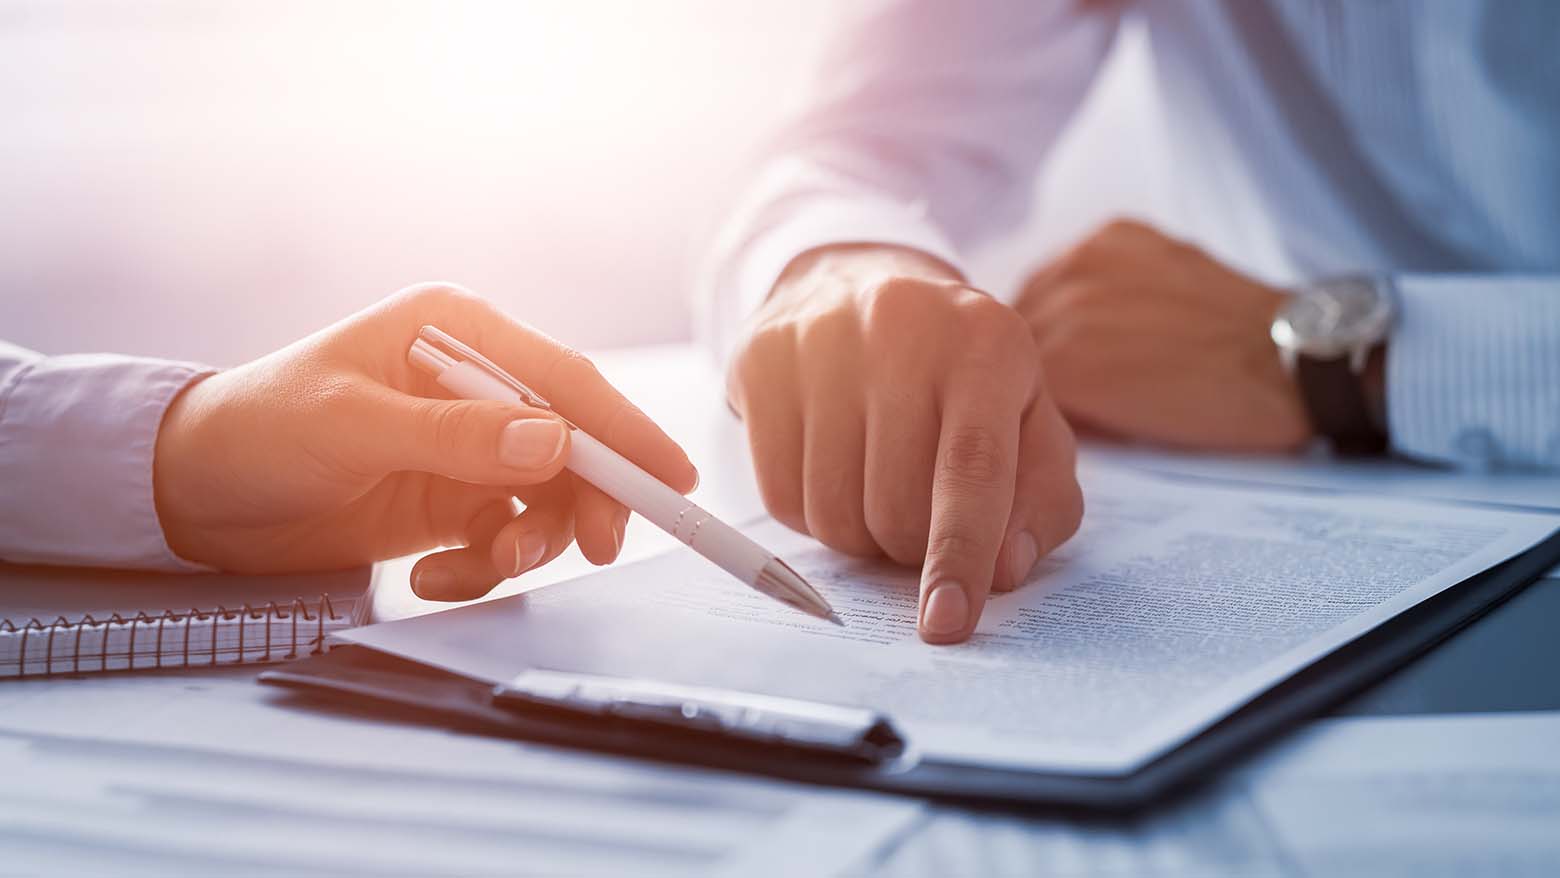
(1502, 662)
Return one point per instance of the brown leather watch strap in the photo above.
(1335, 399)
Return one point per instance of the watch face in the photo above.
(1333, 318)
(1312, 316)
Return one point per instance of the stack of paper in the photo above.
(1176, 604)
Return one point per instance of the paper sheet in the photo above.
(1400, 796)
(1218, 834)
(1177, 603)
(1390, 476)
(210, 773)
(1414, 796)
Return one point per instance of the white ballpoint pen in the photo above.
(469, 375)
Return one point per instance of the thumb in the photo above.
(476, 441)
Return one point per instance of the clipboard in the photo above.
(855, 747)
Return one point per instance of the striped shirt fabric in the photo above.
(77, 438)
(1418, 140)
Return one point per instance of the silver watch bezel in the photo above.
(1354, 339)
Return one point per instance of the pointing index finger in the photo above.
(972, 492)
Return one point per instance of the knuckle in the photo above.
(995, 324)
(1075, 299)
(974, 454)
(978, 307)
(1074, 309)
(622, 422)
(1121, 228)
(896, 299)
(901, 535)
(1185, 251)
(437, 295)
(761, 355)
(833, 509)
(572, 369)
(784, 504)
(780, 489)
(953, 544)
(1073, 262)
(841, 533)
(1007, 354)
(906, 318)
(451, 425)
(757, 370)
(906, 550)
(830, 330)
(1103, 244)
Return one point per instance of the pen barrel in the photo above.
(623, 481)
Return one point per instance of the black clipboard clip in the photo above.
(855, 733)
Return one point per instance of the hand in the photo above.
(334, 452)
(892, 409)
(1148, 338)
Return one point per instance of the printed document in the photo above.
(1175, 604)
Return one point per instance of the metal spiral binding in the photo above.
(271, 613)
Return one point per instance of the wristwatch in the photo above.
(1326, 333)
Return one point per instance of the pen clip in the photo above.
(822, 729)
(436, 350)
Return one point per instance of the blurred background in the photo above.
(211, 179)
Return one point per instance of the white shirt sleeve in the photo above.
(1473, 370)
(77, 437)
(925, 129)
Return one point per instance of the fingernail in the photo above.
(617, 533)
(1022, 554)
(947, 609)
(529, 548)
(433, 582)
(531, 443)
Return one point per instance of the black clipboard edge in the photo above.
(423, 693)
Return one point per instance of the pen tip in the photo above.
(779, 581)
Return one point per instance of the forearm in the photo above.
(1472, 370)
(77, 438)
(924, 133)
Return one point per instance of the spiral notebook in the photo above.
(72, 621)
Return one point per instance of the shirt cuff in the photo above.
(77, 440)
(1473, 371)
